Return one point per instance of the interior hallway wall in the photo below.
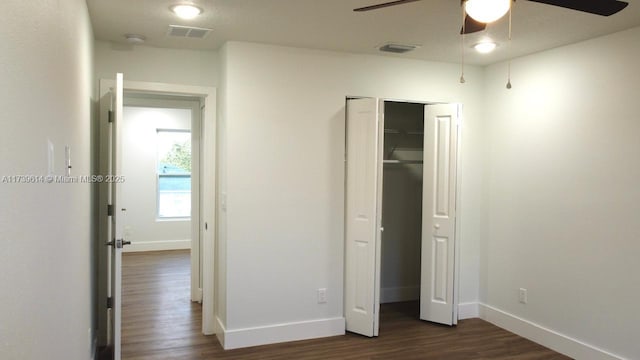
(47, 273)
(145, 63)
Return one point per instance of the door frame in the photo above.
(379, 201)
(208, 196)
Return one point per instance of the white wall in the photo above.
(145, 63)
(284, 127)
(139, 192)
(46, 269)
(563, 191)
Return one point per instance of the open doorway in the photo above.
(161, 165)
(161, 268)
(173, 196)
(401, 214)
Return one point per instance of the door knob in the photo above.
(436, 226)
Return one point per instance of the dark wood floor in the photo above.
(160, 322)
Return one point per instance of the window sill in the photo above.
(169, 219)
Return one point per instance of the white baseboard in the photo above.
(140, 246)
(220, 330)
(468, 310)
(552, 339)
(397, 294)
(272, 334)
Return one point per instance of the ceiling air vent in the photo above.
(397, 48)
(188, 32)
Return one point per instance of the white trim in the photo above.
(377, 294)
(208, 205)
(220, 331)
(272, 334)
(457, 237)
(163, 245)
(468, 310)
(552, 339)
(168, 89)
(397, 294)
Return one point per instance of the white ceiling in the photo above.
(332, 25)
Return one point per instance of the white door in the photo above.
(117, 214)
(362, 228)
(439, 213)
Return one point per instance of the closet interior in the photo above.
(402, 205)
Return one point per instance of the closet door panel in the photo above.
(361, 215)
(438, 213)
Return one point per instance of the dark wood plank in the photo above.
(160, 322)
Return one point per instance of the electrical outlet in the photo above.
(322, 296)
(522, 295)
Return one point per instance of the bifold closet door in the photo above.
(361, 215)
(438, 213)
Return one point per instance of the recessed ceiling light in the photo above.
(186, 11)
(134, 38)
(485, 47)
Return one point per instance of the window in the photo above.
(174, 173)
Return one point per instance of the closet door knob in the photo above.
(436, 226)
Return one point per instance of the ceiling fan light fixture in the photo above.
(487, 11)
(485, 47)
(186, 11)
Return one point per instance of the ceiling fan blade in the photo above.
(384, 5)
(598, 7)
(471, 25)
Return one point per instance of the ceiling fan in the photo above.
(475, 21)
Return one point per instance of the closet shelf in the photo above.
(402, 162)
(403, 132)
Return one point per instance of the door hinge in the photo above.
(110, 116)
(109, 303)
(109, 210)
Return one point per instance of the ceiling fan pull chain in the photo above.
(464, 15)
(509, 48)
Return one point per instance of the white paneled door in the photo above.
(116, 239)
(439, 213)
(362, 164)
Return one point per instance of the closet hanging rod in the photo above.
(402, 162)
